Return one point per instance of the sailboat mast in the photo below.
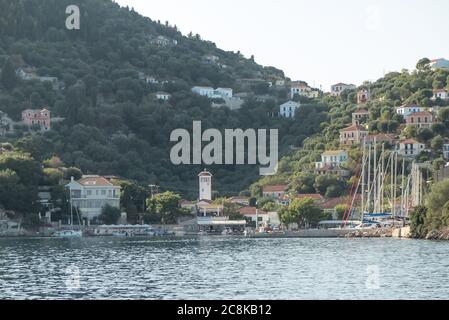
(363, 178)
(368, 202)
(375, 176)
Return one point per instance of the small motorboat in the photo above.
(68, 234)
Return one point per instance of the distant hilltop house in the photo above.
(439, 64)
(360, 116)
(211, 58)
(363, 96)
(301, 88)
(91, 194)
(218, 93)
(440, 94)
(408, 109)
(41, 118)
(164, 96)
(409, 148)
(162, 41)
(338, 88)
(288, 109)
(422, 119)
(352, 135)
(274, 191)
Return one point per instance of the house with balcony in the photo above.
(422, 119)
(352, 135)
(91, 194)
(410, 148)
(333, 158)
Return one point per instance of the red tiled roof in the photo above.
(353, 128)
(422, 113)
(314, 196)
(409, 141)
(251, 211)
(95, 181)
(275, 188)
(363, 111)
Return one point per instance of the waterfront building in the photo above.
(256, 215)
(274, 191)
(205, 185)
(91, 194)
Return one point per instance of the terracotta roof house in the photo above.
(274, 191)
(352, 135)
(422, 119)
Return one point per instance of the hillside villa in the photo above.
(440, 94)
(91, 194)
(352, 135)
(360, 116)
(218, 93)
(363, 96)
(422, 119)
(333, 158)
(408, 109)
(380, 138)
(288, 109)
(164, 96)
(446, 151)
(338, 88)
(410, 148)
(41, 118)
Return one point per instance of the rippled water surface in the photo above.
(223, 268)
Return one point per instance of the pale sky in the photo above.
(318, 41)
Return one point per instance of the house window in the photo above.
(89, 192)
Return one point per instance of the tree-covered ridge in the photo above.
(106, 117)
(387, 93)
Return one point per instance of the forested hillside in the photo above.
(106, 119)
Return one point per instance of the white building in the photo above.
(410, 148)
(163, 96)
(205, 183)
(440, 94)
(446, 151)
(332, 158)
(338, 88)
(408, 109)
(91, 193)
(219, 93)
(288, 109)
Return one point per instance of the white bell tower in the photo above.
(205, 179)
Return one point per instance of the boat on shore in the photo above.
(68, 234)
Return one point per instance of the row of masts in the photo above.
(380, 166)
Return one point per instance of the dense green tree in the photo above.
(109, 215)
